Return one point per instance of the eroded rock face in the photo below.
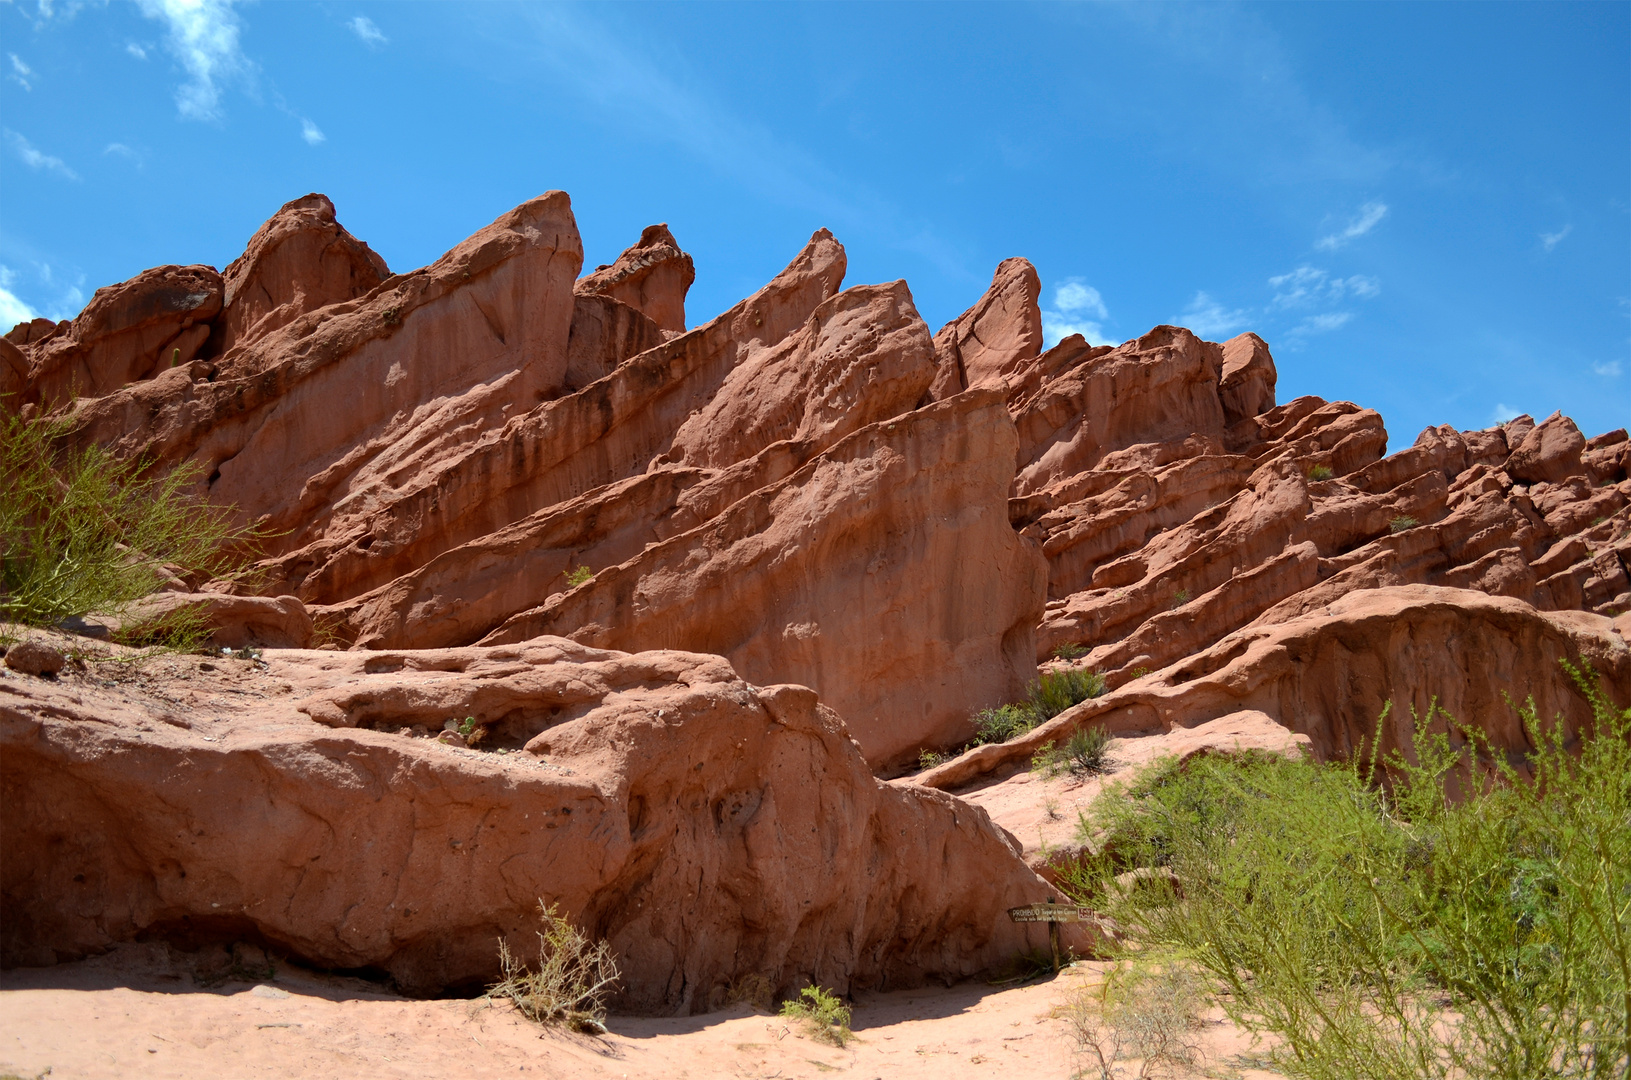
(652, 277)
(991, 340)
(884, 572)
(706, 827)
(300, 260)
(158, 319)
(1329, 675)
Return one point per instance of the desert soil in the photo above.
(139, 1011)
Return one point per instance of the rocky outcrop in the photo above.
(991, 340)
(158, 319)
(884, 573)
(1330, 674)
(300, 260)
(707, 828)
(652, 277)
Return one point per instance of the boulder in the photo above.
(652, 277)
(707, 828)
(31, 657)
(1550, 452)
(302, 259)
(233, 622)
(1246, 381)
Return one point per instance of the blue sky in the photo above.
(1423, 208)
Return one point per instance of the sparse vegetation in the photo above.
(1049, 696)
(928, 759)
(1070, 652)
(1145, 1010)
(82, 532)
(1321, 472)
(1138, 672)
(1402, 523)
(750, 989)
(574, 977)
(578, 576)
(1429, 913)
(821, 1015)
(1083, 754)
(1180, 598)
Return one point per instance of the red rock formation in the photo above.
(652, 277)
(884, 574)
(300, 260)
(156, 320)
(707, 828)
(993, 339)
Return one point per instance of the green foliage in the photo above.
(1070, 652)
(1180, 598)
(928, 759)
(1457, 918)
(82, 532)
(574, 977)
(823, 1016)
(1321, 472)
(467, 726)
(1082, 754)
(1049, 696)
(1402, 523)
(579, 576)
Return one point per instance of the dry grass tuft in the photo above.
(575, 976)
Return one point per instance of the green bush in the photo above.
(1070, 651)
(823, 1016)
(1320, 472)
(1397, 929)
(578, 576)
(1049, 696)
(1402, 523)
(574, 977)
(82, 532)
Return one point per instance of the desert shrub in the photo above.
(1057, 691)
(928, 759)
(1070, 651)
(822, 1016)
(1402, 523)
(1001, 724)
(751, 989)
(574, 977)
(82, 532)
(1145, 1010)
(1415, 915)
(579, 576)
(1321, 472)
(1082, 754)
(1180, 598)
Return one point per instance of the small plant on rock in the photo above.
(928, 759)
(1321, 472)
(822, 1016)
(1086, 750)
(574, 977)
(1402, 523)
(1070, 652)
(579, 576)
(1180, 598)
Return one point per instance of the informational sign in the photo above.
(1050, 913)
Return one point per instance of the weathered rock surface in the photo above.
(991, 340)
(1330, 674)
(31, 656)
(300, 260)
(706, 827)
(884, 573)
(652, 277)
(230, 622)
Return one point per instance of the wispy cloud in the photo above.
(1322, 324)
(310, 132)
(136, 50)
(1608, 369)
(203, 36)
(34, 159)
(370, 34)
(120, 150)
(1210, 319)
(20, 72)
(1502, 413)
(12, 309)
(1550, 240)
(1369, 216)
(1308, 285)
(1077, 309)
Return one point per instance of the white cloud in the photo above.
(1550, 240)
(1308, 285)
(1209, 319)
(1077, 309)
(1320, 324)
(1608, 369)
(20, 72)
(310, 132)
(12, 310)
(119, 149)
(1502, 413)
(365, 29)
(136, 50)
(1369, 215)
(34, 159)
(204, 38)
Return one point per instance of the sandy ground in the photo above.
(139, 1012)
